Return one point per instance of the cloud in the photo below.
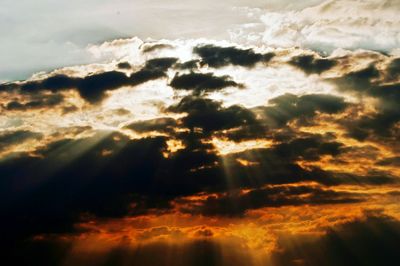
(215, 56)
(191, 64)
(217, 135)
(9, 138)
(36, 102)
(326, 26)
(124, 65)
(309, 64)
(288, 107)
(144, 180)
(92, 88)
(160, 63)
(394, 69)
(202, 82)
(163, 253)
(371, 82)
(149, 47)
(210, 116)
(311, 148)
(368, 241)
(164, 125)
(392, 161)
(236, 204)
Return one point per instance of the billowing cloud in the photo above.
(327, 25)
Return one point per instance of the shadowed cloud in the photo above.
(311, 65)
(215, 56)
(367, 241)
(202, 82)
(92, 88)
(288, 107)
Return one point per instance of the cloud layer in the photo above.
(207, 151)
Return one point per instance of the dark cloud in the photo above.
(216, 56)
(137, 167)
(92, 88)
(372, 240)
(278, 165)
(197, 252)
(393, 69)
(163, 125)
(382, 122)
(310, 148)
(9, 138)
(160, 63)
(236, 204)
(374, 178)
(392, 161)
(35, 252)
(69, 109)
(368, 241)
(36, 102)
(53, 83)
(124, 65)
(48, 192)
(121, 112)
(247, 131)
(311, 65)
(209, 115)
(288, 107)
(110, 175)
(202, 82)
(105, 174)
(8, 87)
(148, 47)
(379, 124)
(191, 64)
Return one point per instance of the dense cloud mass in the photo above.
(93, 87)
(370, 241)
(289, 107)
(221, 56)
(202, 82)
(311, 65)
(202, 152)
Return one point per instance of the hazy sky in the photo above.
(44, 34)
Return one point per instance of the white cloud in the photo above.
(349, 24)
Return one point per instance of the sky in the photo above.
(46, 34)
(200, 132)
